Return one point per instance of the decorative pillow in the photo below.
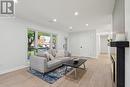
(47, 55)
(51, 57)
(49, 51)
(41, 54)
(67, 54)
(52, 52)
(60, 53)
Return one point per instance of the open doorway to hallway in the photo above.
(104, 44)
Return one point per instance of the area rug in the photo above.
(52, 76)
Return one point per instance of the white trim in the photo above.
(13, 69)
(93, 57)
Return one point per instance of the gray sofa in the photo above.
(41, 64)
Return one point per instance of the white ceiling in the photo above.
(93, 12)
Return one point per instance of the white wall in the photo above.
(13, 42)
(119, 17)
(86, 40)
(103, 43)
(13, 45)
(127, 30)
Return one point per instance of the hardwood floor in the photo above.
(98, 74)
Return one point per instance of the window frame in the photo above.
(36, 38)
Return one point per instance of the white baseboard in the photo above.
(13, 69)
(93, 57)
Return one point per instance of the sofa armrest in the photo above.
(38, 63)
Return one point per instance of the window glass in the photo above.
(54, 41)
(44, 40)
(31, 43)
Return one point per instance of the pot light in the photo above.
(70, 27)
(54, 20)
(86, 24)
(76, 13)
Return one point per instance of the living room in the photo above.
(74, 30)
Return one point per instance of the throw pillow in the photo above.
(60, 53)
(47, 55)
(52, 52)
(51, 57)
(41, 54)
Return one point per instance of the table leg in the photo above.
(75, 73)
(84, 66)
(65, 70)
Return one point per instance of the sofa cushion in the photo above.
(47, 56)
(41, 53)
(63, 59)
(52, 52)
(54, 63)
(51, 57)
(67, 54)
(44, 55)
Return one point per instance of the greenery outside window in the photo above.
(54, 41)
(31, 42)
(40, 40)
(44, 40)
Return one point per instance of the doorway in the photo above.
(103, 44)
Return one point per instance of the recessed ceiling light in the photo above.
(15, 1)
(54, 20)
(86, 24)
(70, 27)
(76, 13)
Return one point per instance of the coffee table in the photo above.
(76, 66)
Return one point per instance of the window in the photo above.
(40, 40)
(54, 41)
(44, 40)
(31, 42)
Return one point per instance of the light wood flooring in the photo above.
(98, 74)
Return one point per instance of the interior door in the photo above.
(83, 45)
(74, 45)
(103, 44)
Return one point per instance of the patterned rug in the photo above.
(52, 76)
